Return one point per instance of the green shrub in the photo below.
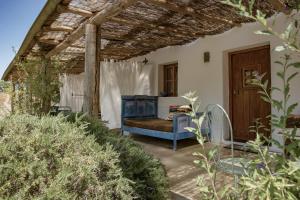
(49, 158)
(147, 174)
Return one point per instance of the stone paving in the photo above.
(181, 170)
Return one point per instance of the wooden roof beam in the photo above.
(74, 10)
(77, 46)
(103, 53)
(57, 28)
(48, 41)
(108, 10)
(186, 10)
(109, 36)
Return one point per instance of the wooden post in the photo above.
(46, 100)
(96, 102)
(92, 74)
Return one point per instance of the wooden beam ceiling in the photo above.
(77, 11)
(150, 25)
(143, 27)
(131, 32)
(108, 11)
(105, 52)
(48, 41)
(186, 10)
(58, 28)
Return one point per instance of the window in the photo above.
(170, 80)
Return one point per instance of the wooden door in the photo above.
(170, 80)
(245, 102)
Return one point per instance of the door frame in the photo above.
(230, 70)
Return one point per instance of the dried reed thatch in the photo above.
(129, 28)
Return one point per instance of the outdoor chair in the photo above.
(65, 110)
(220, 122)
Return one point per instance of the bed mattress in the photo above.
(152, 124)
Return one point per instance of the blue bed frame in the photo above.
(145, 107)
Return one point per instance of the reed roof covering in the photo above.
(129, 28)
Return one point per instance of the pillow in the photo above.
(184, 109)
(170, 116)
(178, 109)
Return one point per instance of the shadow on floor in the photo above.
(180, 167)
(168, 144)
(181, 171)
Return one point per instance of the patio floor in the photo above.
(181, 170)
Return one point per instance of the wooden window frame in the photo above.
(173, 81)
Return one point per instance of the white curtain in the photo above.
(71, 92)
(122, 78)
(116, 79)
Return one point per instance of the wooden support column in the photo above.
(92, 71)
(46, 100)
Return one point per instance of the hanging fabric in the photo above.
(116, 79)
(122, 78)
(71, 92)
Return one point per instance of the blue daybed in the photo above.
(139, 116)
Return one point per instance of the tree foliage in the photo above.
(48, 158)
(37, 86)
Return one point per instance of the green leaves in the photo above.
(263, 32)
(141, 169)
(206, 157)
(288, 31)
(280, 74)
(277, 104)
(47, 157)
(292, 76)
(277, 176)
(261, 17)
(291, 108)
(38, 85)
(296, 65)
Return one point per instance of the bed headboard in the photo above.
(139, 106)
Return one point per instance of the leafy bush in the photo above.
(49, 158)
(147, 175)
(278, 176)
(37, 85)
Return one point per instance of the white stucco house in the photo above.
(203, 46)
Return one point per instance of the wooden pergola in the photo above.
(83, 32)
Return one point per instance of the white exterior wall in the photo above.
(210, 80)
